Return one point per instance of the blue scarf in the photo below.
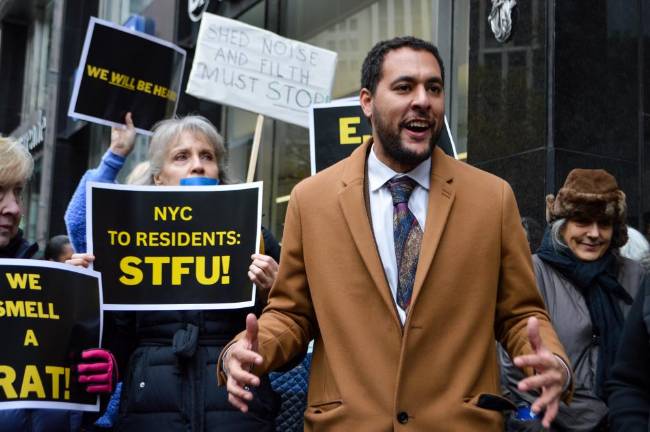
(597, 282)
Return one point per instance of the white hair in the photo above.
(140, 175)
(556, 234)
(636, 247)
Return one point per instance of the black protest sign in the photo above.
(174, 247)
(337, 128)
(122, 70)
(49, 313)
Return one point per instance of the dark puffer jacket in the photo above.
(34, 420)
(170, 381)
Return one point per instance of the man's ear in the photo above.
(365, 99)
(156, 179)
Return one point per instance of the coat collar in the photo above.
(352, 199)
(353, 203)
(442, 193)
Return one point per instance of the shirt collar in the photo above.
(379, 173)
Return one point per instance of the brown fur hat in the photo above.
(590, 194)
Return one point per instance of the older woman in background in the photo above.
(169, 385)
(16, 166)
(588, 289)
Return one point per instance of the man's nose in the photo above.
(421, 97)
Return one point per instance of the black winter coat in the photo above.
(629, 386)
(170, 377)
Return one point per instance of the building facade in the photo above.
(569, 90)
(566, 90)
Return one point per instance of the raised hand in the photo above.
(263, 271)
(238, 363)
(81, 259)
(123, 139)
(551, 375)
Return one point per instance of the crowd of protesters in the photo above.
(402, 264)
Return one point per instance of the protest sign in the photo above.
(49, 313)
(253, 69)
(174, 247)
(122, 70)
(338, 127)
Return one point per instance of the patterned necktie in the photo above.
(408, 236)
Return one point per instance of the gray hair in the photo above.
(16, 163)
(140, 175)
(167, 132)
(556, 234)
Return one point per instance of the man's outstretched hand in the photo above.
(550, 378)
(238, 363)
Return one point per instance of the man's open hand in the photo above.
(550, 378)
(238, 363)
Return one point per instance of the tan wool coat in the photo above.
(474, 285)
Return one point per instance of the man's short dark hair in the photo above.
(54, 247)
(371, 69)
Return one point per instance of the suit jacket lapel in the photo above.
(441, 197)
(353, 205)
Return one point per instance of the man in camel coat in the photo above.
(404, 314)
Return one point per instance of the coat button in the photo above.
(403, 417)
(142, 384)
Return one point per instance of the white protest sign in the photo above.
(250, 68)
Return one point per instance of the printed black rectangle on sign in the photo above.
(175, 247)
(124, 71)
(49, 313)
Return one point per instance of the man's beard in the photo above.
(392, 143)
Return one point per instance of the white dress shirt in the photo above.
(381, 211)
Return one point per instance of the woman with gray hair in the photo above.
(588, 289)
(169, 356)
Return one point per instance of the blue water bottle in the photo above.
(524, 413)
(199, 181)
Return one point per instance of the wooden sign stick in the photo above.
(257, 137)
